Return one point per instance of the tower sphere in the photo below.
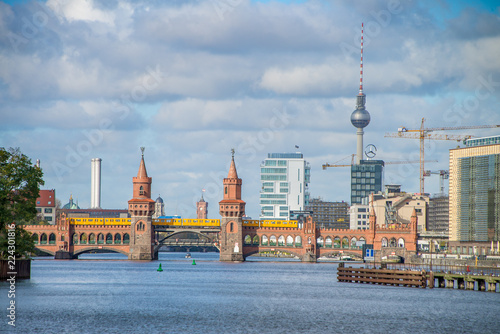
(360, 118)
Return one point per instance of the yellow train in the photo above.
(186, 222)
(271, 223)
(182, 222)
(99, 221)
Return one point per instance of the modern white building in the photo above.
(359, 217)
(285, 179)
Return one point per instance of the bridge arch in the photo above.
(52, 239)
(103, 248)
(118, 238)
(83, 238)
(48, 252)
(92, 239)
(287, 250)
(35, 238)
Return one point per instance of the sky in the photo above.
(190, 80)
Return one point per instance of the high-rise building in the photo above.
(366, 178)
(438, 214)
(329, 214)
(285, 180)
(475, 191)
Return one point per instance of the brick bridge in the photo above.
(140, 237)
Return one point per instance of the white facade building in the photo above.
(359, 215)
(285, 179)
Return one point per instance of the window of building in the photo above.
(47, 210)
(48, 218)
(37, 202)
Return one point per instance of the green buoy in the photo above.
(159, 268)
(194, 262)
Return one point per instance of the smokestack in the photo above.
(95, 183)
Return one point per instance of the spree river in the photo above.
(103, 293)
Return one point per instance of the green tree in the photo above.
(20, 184)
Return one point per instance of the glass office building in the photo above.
(475, 191)
(366, 178)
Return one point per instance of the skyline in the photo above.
(190, 80)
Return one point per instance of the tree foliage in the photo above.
(20, 184)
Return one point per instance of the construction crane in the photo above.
(385, 163)
(424, 133)
(443, 175)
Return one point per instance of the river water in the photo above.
(102, 293)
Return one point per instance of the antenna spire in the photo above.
(361, 64)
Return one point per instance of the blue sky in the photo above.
(190, 80)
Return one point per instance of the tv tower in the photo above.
(360, 117)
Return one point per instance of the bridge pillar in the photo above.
(64, 255)
(231, 239)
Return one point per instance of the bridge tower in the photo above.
(232, 210)
(141, 208)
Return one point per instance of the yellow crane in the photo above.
(425, 133)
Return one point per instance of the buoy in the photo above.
(159, 268)
(194, 262)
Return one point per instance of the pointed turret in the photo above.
(233, 174)
(232, 205)
(142, 173)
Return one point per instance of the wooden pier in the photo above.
(418, 278)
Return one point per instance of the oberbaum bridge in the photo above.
(140, 237)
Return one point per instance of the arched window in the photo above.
(225, 190)
(140, 226)
(231, 226)
(385, 243)
(126, 239)
(52, 238)
(281, 241)
(92, 239)
(328, 242)
(75, 239)
(100, 238)
(336, 242)
(345, 242)
(264, 240)
(272, 240)
(298, 241)
(83, 239)
(109, 238)
(320, 242)
(289, 241)
(401, 242)
(247, 240)
(118, 238)
(256, 240)
(34, 237)
(392, 242)
(353, 242)
(43, 239)
(141, 190)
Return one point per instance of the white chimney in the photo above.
(95, 184)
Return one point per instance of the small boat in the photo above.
(188, 255)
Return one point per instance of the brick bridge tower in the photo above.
(232, 210)
(141, 208)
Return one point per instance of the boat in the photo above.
(188, 255)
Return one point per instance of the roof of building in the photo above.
(47, 198)
(71, 204)
(159, 199)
